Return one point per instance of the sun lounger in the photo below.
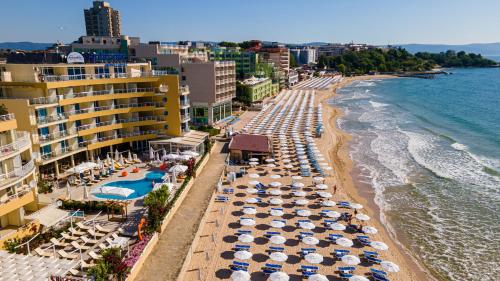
(78, 246)
(94, 256)
(115, 236)
(334, 237)
(241, 231)
(305, 234)
(309, 268)
(241, 247)
(261, 192)
(221, 199)
(228, 190)
(82, 226)
(95, 233)
(327, 223)
(363, 239)
(378, 272)
(271, 233)
(305, 251)
(86, 265)
(379, 278)
(66, 255)
(88, 240)
(304, 221)
(102, 229)
(66, 236)
(76, 232)
(58, 242)
(340, 253)
(110, 241)
(238, 265)
(343, 204)
(39, 251)
(273, 266)
(102, 246)
(260, 186)
(346, 272)
(373, 259)
(370, 253)
(276, 249)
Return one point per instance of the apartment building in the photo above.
(102, 20)
(246, 61)
(280, 56)
(212, 86)
(304, 56)
(77, 112)
(256, 89)
(17, 177)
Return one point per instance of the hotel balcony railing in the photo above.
(56, 99)
(58, 78)
(18, 172)
(20, 193)
(7, 117)
(49, 119)
(118, 136)
(184, 103)
(52, 136)
(184, 89)
(119, 121)
(109, 107)
(185, 118)
(59, 152)
(22, 141)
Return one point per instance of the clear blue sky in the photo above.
(291, 21)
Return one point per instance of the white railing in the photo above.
(57, 153)
(107, 92)
(109, 107)
(51, 118)
(119, 121)
(185, 118)
(20, 193)
(22, 141)
(53, 136)
(126, 135)
(7, 117)
(58, 78)
(19, 172)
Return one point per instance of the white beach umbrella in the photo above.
(314, 258)
(355, 206)
(269, 160)
(245, 238)
(288, 166)
(178, 169)
(68, 192)
(389, 266)
(240, 275)
(325, 194)
(247, 222)
(379, 245)
(310, 240)
(344, 242)
(275, 184)
(307, 225)
(337, 226)
(362, 217)
(350, 260)
(253, 159)
(254, 176)
(276, 213)
(274, 177)
(117, 155)
(279, 276)
(318, 179)
(286, 161)
(253, 182)
(253, 163)
(251, 200)
(271, 165)
(304, 213)
(301, 202)
(328, 203)
(121, 161)
(332, 214)
(243, 255)
(298, 184)
(277, 239)
(171, 156)
(299, 193)
(358, 278)
(85, 193)
(322, 186)
(252, 191)
(277, 224)
(369, 230)
(249, 211)
(275, 201)
(275, 192)
(296, 178)
(317, 277)
(278, 256)
(151, 154)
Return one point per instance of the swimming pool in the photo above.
(141, 187)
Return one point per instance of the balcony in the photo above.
(117, 138)
(21, 143)
(58, 154)
(61, 78)
(15, 201)
(184, 90)
(119, 121)
(44, 139)
(7, 117)
(184, 103)
(109, 92)
(109, 107)
(17, 174)
(42, 120)
(185, 118)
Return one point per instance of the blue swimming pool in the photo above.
(141, 187)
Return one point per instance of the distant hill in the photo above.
(485, 49)
(26, 46)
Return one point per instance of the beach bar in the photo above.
(245, 146)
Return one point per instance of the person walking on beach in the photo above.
(334, 189)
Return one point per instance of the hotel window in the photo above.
(76, 73)
(101, 72)
(120, 70)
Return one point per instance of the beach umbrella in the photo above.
(276, 213)
(99, 162)
(275, 184)
(122, 162)
(271, 165)
(298, 185)
(130, 156)
(350, 260)
(240, 275)
(332, 214)
(275, 192)
(344, 242)
(296, 177)
(253, 159)
(279, 276)
(358, 278)
(247, 222)
(301, 202)
(252, 191)
(249, 211)
(318, 179)
(277, 224)
(337, 226)
(251, 200)
(68, 192)
(85, 193)
(171, 156)
(269, 160)
(369, 230)
(286, 161)
(389, 266)
(325, 194)
(314, 258)
(304, 162)
(275, 177)
(362, 217)
(328, 203)
(322, 186)
(379, 245)
(254, 176)
(178, 169)
(253, 163)
(275, 201)
(117, 155)
(243, 255)
(288, 166)
(151, 154)
(277, 239)
(355, 206)
(310, 240)
(278, 256)
(253, 182)
(299, 193)
(245, 238)
(317, 277)
(304, 213)
(307, 225)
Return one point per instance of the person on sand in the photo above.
(355, 211)
(334, 189)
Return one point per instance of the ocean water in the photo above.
(430, 149)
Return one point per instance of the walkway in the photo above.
(166, 260)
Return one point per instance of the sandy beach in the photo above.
(336, 145)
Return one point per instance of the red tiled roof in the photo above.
(257, 143)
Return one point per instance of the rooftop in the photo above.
(248, 142)
(254, 80)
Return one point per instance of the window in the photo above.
(165, 113)
(76, 73)
(120, 69)
(101, 72)
(183, 78)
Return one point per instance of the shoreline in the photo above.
(346, 176)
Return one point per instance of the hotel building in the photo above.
(102, 20)
(17, 177)
(246, 61)
(76, 112)
(256, 89)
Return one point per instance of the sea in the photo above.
(429, 149)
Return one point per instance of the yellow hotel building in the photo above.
(76, 112)
(17, 177)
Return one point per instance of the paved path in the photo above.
(166, 260)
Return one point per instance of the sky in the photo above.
(377, 22)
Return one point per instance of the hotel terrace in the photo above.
(77, 112)
(17, 177)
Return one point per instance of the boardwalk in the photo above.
(166, 260)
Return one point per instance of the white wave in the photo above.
(459, 146)
(365, 84)
(378, 104)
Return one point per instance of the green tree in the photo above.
(3, 109)
(341, 68)
(228, 44)
(293, 62)
(157, 202)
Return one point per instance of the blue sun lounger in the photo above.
(241, 231)
(221, 199)
(238, 265)
(363, 239)
(260, 186)
(305, 251)
(327, 223)
(343, 204)
(308, 270)
(346, 271)
(339, 253)
(305, 234)
(270, 268)
(334, 237)
(238, 247)
(228, 190)
(377, 277)
(271, 233)
(276, 249)
(378, 272)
